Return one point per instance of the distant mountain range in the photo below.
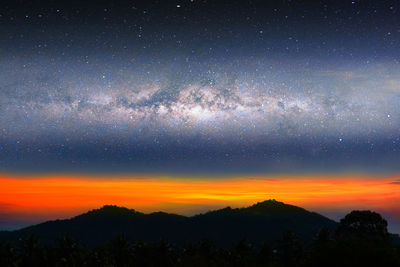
(264, 221)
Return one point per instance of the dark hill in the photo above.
(264, 221)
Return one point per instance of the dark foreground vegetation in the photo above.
(361, 239)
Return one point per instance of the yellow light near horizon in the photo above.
(60, 196)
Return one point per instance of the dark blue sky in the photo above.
(200, 87)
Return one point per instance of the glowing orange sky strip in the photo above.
(60, 196)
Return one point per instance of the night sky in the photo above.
(191, 105)
(200, 87)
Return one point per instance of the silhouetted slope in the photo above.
(261, 222)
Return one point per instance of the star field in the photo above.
(200, 86)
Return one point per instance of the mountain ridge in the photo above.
(266, 220)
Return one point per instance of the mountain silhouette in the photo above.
(264, 221)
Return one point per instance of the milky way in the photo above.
(126, 94)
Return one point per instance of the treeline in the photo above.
(360, 240)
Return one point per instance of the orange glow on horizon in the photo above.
(60, 196)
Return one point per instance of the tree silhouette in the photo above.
(8, 254)
(69, 252)
(292, 250)
(265, 255)
(365, 225)
(33, 253)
